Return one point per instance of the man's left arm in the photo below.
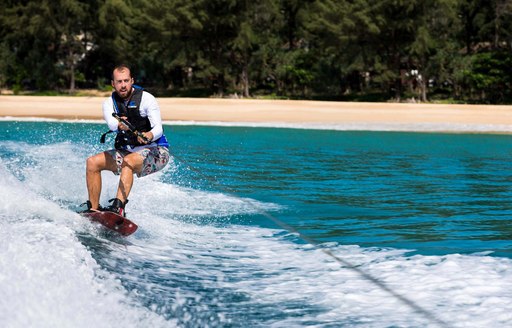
(152, 109)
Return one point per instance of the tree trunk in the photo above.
(423, 89)
(245, 81)
(71, 72)
(72, 80)
(220, 85)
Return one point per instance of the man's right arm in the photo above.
(108, 109)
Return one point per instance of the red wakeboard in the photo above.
(112, 221)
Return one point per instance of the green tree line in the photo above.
(457, 50)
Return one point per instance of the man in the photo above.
(133, 154)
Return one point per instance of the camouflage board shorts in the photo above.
(155, 159)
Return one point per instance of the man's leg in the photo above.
(132, 163)
(94, 165)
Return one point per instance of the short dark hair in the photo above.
(121, 67)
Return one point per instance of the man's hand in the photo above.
(149, 137)
(122, 126)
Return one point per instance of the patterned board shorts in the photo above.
(155, 159)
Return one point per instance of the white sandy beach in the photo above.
(340, 115)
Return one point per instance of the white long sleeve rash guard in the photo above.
(148, 108)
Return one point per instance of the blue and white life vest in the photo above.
(131, 111)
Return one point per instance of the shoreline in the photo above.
(285, 113)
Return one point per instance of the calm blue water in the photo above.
(426, 214)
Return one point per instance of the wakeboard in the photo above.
(112, 221)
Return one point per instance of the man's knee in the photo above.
(92, 163)
(96, 162)
(131, 162)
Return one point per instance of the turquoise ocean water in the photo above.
(412, 230)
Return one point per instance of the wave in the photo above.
(57, 269)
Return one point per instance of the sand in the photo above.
(342, 115)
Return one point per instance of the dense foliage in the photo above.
(332, 49)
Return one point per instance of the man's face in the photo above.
(122, 83)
